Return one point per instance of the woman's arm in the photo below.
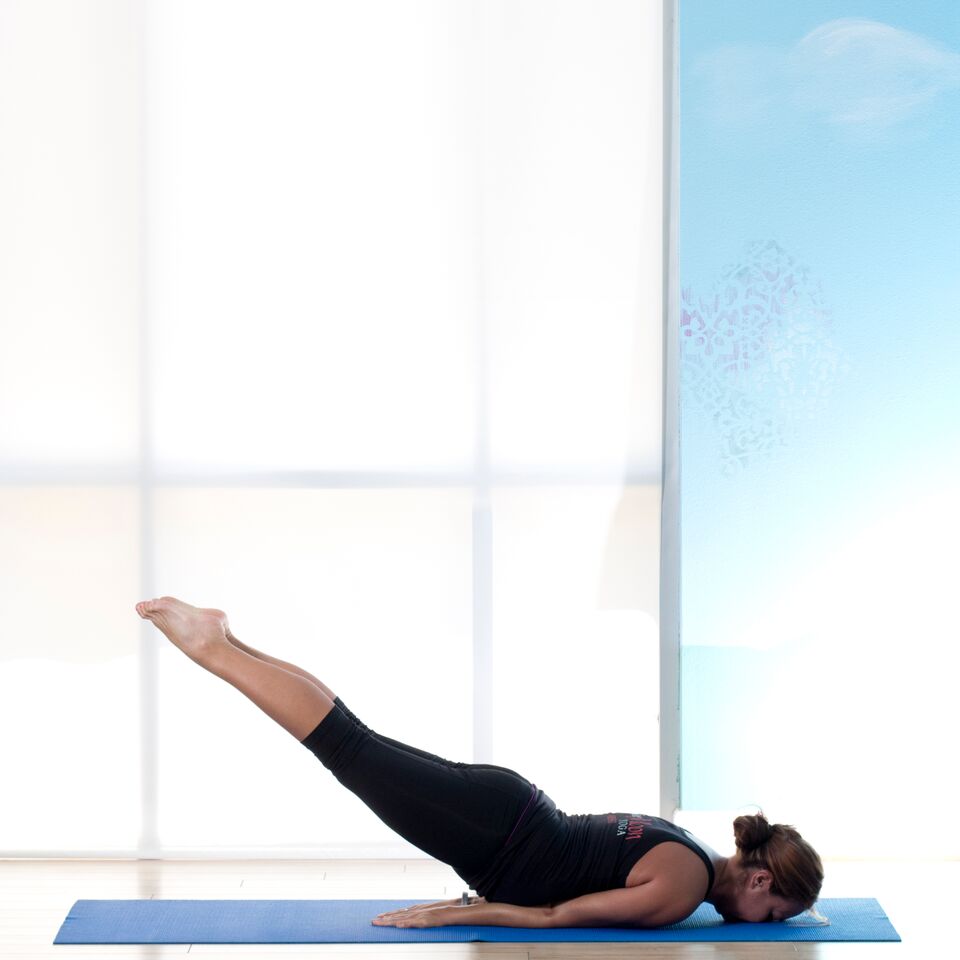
(484, 914)
(655, 903)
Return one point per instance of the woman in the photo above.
(531, 864)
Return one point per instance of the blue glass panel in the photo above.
(820, 407)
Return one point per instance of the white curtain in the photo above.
(345, 318)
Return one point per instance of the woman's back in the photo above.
(554, 856)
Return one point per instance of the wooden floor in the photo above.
(35, 896)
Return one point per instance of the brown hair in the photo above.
(795, 865)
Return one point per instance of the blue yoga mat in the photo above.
(348, 921)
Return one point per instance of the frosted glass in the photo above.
(69, 679)
(576, 383)
(576, 643)
(573, 221)
(339, 229)
(820, 444)
(311, 251)
(69, 234)
(369, 590)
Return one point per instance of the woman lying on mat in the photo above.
(532, 864)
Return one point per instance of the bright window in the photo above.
(346, 319)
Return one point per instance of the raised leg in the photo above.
(291, 699)
(289, 667)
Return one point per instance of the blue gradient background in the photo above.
(804, 574)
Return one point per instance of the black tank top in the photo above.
(552, 856)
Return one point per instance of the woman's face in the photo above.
(754, 902)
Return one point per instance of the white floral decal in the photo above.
(756, 353)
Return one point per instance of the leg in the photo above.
(416, 751)
(462, 814)
(289, 667)
(291, 700)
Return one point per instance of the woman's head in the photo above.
(779, 873)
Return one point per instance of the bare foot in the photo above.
(195, 630)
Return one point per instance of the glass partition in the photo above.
(820, 414)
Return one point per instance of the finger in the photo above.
(414, 908)
(392, 915)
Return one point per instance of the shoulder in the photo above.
(673, 863)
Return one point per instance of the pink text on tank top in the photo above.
(631, 826)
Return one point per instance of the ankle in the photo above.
(209, 647)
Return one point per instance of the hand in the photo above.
(420, 915)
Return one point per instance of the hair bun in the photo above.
(752, 832)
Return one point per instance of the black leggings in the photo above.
(459, 813)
